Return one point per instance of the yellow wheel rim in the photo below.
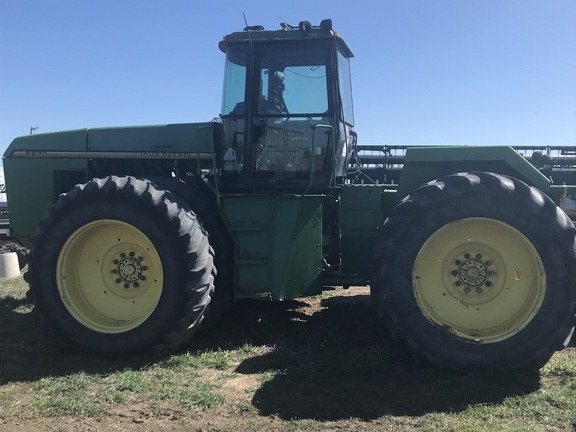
(480, 279)
(109, 276)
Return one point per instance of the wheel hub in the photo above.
(473, 273)
(129, 269)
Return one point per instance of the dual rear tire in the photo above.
(119, 266)
(476, 271)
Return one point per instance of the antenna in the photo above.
(247, 28)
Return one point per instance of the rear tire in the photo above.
(118, 266)
(203, 203)
(477, 271)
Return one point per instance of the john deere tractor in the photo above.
(138, 236)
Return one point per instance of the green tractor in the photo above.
(139, 236)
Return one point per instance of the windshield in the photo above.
(293, 82)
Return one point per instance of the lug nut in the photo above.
(118, 280)
(488, 284)
(478, 256)
(458, 262)
(126, 285)
(479, 290)
(115, 261)
(131, 254)
(114, 271)
(122, 255)
(467, 290)
(142, 278)
(458, 283)
(454, 272)
(135, 284)
(467, 256)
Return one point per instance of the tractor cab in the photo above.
(286, 109)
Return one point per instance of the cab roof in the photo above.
(304, 31)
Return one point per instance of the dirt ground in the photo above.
(339, 373)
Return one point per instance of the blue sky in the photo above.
(474, 72)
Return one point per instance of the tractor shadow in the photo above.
(28, 353)
(322, 359)
(328, 360)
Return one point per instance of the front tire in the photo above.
(118, 266)
(476, 271)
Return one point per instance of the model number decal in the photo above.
(36, 154)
